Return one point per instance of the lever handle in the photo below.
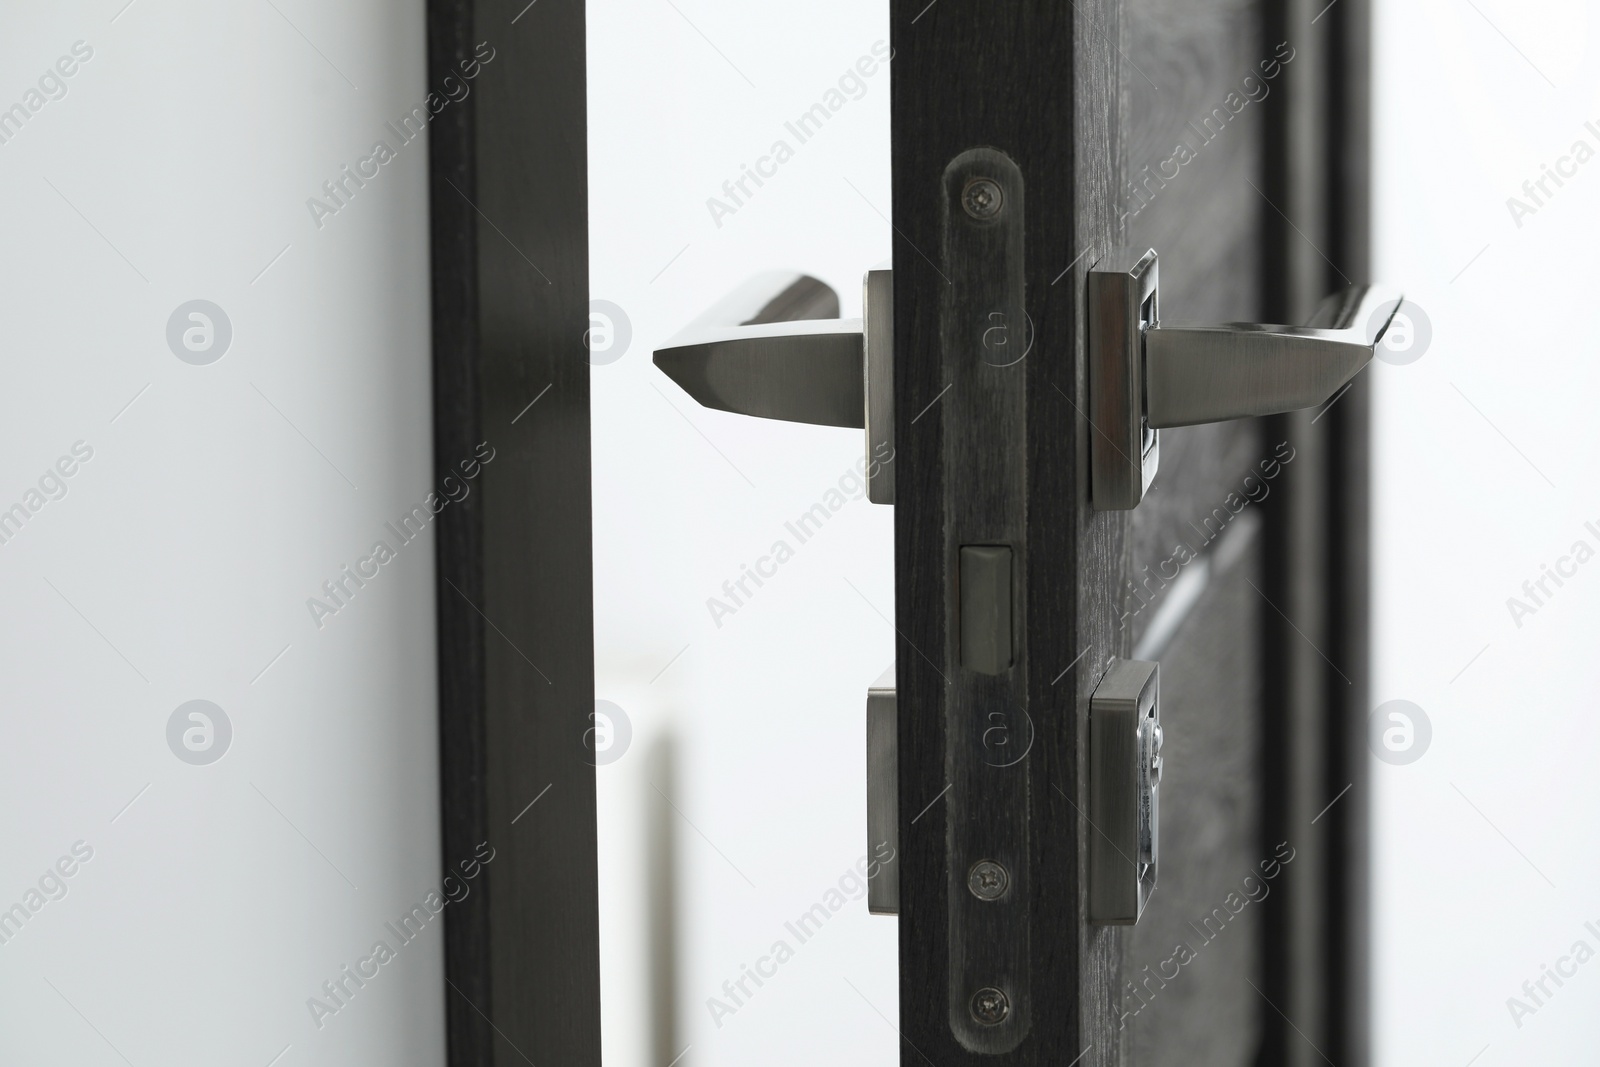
(1145, 376)
(1196, 374)
(775, 348)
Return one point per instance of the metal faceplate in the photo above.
(1124, 791)
(883, 796)
(989, 733)
(1124, 451)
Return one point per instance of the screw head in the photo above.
(990, 1006)
(1153, 756)
(982, 198)
(988, 880)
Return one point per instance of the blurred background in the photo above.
(1481, 470)
(222, 469)
(250, 462)
(742, 798)
(1484, 473)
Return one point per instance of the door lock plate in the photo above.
(1124, 791)
(1124, 450)
(984, 417)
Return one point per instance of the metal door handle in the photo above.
(1144, 376)
(775, 348)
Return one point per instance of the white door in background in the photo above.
(1486, 465)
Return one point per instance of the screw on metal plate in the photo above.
(990, 1006)
(981, 198)
(988, 880)
(990, 963)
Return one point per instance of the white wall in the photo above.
(218, 498)
(767, 710)
(1486, 464)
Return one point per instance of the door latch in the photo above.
(1145, 376)
(776, 348)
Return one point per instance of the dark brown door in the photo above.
(515, 597)
(1230, 138)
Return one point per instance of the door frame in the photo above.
(508, 175)
(1318, 554)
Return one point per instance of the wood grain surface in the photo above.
(1093, 105)
(516, 631)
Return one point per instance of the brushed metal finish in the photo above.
(785, 296)
(877, 310)
(1123, 453)
(798, 372)
(741, 356)
(883, 796)
(776, 349)
(1145, 376)
(984, 586)
(1124, 731)
(1196, 374)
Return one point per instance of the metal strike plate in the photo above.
(1144, 376)
(1124, 791)
(775, 348)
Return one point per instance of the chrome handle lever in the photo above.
(1196, 374)
(1145, 376)
(775, 348)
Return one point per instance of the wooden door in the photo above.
(515, 599)
(1229, 136)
